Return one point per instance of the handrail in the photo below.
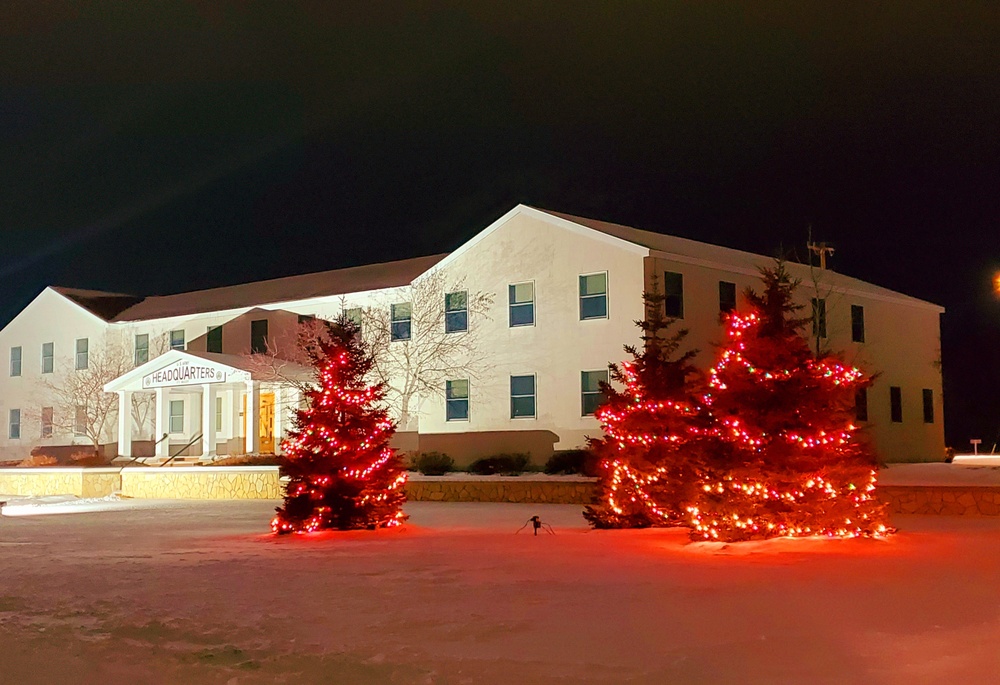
(133, 459)
(178, 453)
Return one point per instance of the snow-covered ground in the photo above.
(195, 592)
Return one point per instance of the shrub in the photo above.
(434, 463)
(88, 459)
(504, 464)
(583, 462)
(246, 460)
(39, 460)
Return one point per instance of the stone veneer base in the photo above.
(262, 482)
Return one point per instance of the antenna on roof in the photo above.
(822, 249)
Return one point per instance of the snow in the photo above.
(17, 505)
(196, 592)
(940, 473)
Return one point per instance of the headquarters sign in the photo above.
(183, 372)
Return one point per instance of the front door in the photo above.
(267, 423)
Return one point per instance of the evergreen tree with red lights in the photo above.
(342, 472)
(788, 460)
(648, 469)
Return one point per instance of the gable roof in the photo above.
(288, 289)
(101, 304)
(738, 261)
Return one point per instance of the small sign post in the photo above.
(975, 445)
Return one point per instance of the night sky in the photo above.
(152, 148)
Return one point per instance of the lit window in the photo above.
(48, 358)
(522, 397)
(82, 353)
(522, 304)
(456, 312)
(15, 361)
(177, 340)
(591, 395)
(857, 323)
(14, 425)
(457, 400)
(673, 291)
(47, 418)
(176, 416)
(141, 348)
(819, 317)
(400, 323)
(727, 296)
(213, 339)
(594, 296)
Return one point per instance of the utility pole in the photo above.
(822, 249)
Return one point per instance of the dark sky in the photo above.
(152, 147)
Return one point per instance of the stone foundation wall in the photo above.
(501, 490)
(202, 482)
(41, 481)
(955, 500)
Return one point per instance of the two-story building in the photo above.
(549, 300)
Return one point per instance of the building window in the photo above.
(673, 291)
(456, 311)
(14, 425)
(82, 353)
(176, 416)
(258, 336)
(177, 340)
(861, 404)
(896, 404)
(819, 317)
(522, 397)
(727, 296)
(354, 315)
(80, 421)
(400, 324)
(218, 414)
(213, 339)
(15, 361)
(928, 405)
(591, 396)
(47, 417)
(457, 400)
(522, 304)
(594, 296)
(141, 348)
(857, 323)
(48, 358)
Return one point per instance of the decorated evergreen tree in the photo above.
(788, 460)
(648, 469)
(342, 472)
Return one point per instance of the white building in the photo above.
(558, 296)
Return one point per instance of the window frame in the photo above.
(258, 340)
(14, 424)
(857, 323)
(393, 321)
(895, 404)
(171, 416)
(673, 297)
(183, 340)
(19, 361)
(85, 353)
(348, 314)
(927, 395)
(533, 396)
(861, 405)
(450, 401)
(141, 352)
(606, 295)
(584, 394)
(50, 358)
(47, 421)
(455, 312)
(511, 304)
(219, 413)
(722, 309)
(80, 425)
(209, 337)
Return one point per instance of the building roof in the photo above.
(102, 304)
(288, 289)
(716, 255)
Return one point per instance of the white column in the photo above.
(125, 423)
(252, 438)
(231, 419)
(207, 420)
(162, 422)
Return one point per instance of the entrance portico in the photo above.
(207, 404)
